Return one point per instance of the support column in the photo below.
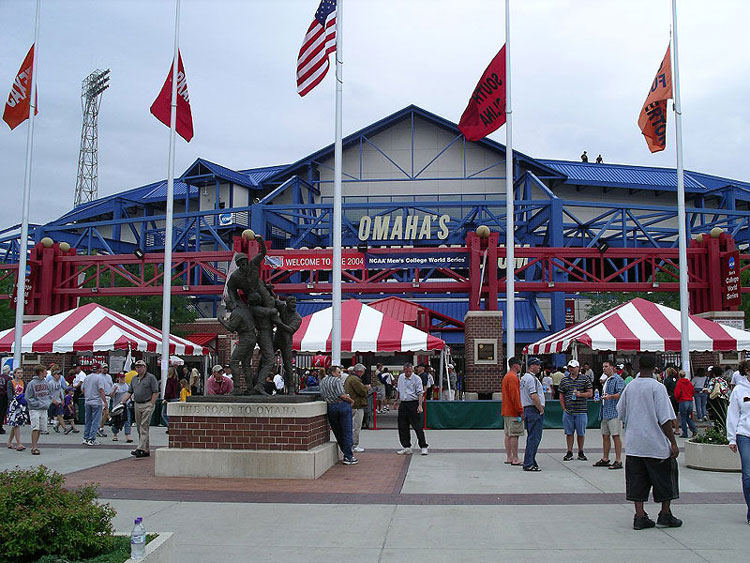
(483, 351)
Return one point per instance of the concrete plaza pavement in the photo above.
(459, 503)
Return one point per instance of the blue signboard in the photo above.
(416, 260)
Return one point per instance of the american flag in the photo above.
(320, 41)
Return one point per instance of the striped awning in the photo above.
(640, 325)
(363, 329)
(93, 328)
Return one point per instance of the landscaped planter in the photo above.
(158, 550)
(711, 457)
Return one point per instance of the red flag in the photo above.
(653, 117)
(161, 110)
(17, 107)
(486, 110)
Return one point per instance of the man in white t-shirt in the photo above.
(650, 446)
(735, 379)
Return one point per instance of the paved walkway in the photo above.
(460, 503)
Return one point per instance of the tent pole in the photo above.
(440, 379)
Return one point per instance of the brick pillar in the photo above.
(483, 329)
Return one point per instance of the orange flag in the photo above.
(17, 107)
(653, 117)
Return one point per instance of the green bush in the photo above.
(119, 553)
(711, 435)
(39, 517)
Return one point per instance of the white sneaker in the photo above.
(424, 451)
(358, 449)
(404, 451)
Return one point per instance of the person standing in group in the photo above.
(38, 400)
(57, 387)
(94, 391)
(5, 378)
(556, 376)
(532, 402)
(119, 389)
(700, 393)
(512, 411)
(357, 390)
(410, 396)
(683, 394)
(194, 381)
(650, 446)
(18, 413)
(611, 424)
(338, 406)
(575, 390)
(78, 384)
(218, 383)
(144, 389)
(670, 380)
(548, 386)
(738, 427)
(108, 383)
(171, 394)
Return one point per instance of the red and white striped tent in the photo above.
(363, 329)
(640, 325)
(93, 328)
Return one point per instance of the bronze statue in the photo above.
(287, 324)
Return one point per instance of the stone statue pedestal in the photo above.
(279, 437)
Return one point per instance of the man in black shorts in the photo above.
(650, 446)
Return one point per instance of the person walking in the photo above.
(38, 400)
(532, 402)
(650, 446)
(700, 393)
(357, 390)
(611, 425)
(69, 411)
(18, 413)
(683, 394)
(143, 389)
(575, 390)
(410, 397)
(338, 406)
(738, 427)
(512, 411)
(94, 391)
(5, 378)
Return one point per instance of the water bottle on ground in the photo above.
(138, 540)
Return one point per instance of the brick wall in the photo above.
(483, 378)
(248, 433)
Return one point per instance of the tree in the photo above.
(601, 302)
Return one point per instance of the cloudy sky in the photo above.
(580, 73)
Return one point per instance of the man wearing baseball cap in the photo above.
(575, 390)
(144, 389)
(532, 401)
(218, 383)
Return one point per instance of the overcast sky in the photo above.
(580, 73)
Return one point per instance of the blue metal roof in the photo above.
(625, 176)
(180, 190)
(222, 172)
(258, 175)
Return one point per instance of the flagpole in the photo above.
(167, 279)
(336, 272)
(681, 221)
(21, 278)
(510, 240)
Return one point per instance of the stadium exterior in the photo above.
(412, 184)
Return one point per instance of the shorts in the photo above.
(512, 426)
(38, 419)
(644, 473)
(55, 410)
(611, 427)
(380, 392)
(575, 423)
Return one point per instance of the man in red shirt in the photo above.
(218, 384)
(511, 410)
(683, 394)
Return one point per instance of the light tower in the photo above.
(87, 185)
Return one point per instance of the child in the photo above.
(38, 399)
(69, 413)
(185, 390)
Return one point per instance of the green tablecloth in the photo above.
(442, 415)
